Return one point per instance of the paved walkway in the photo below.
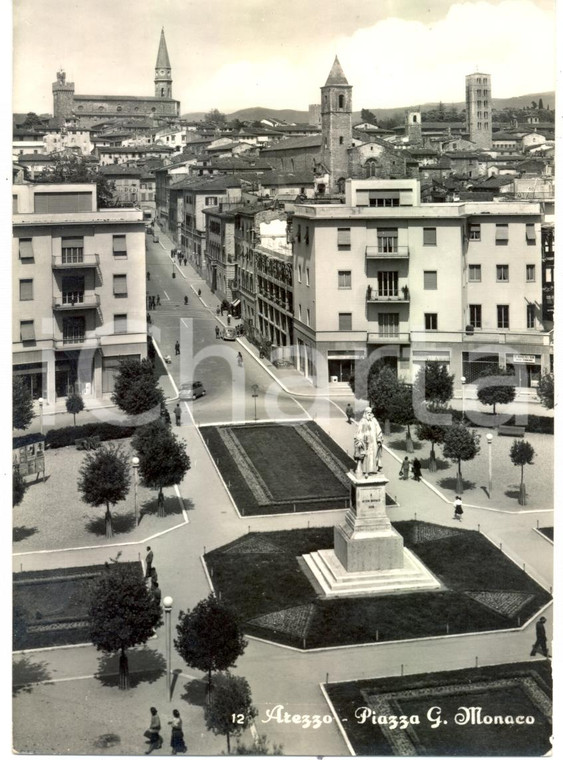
(277, 675)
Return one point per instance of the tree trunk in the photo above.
(109, 526)
(459, 479)
(495, 408)
(74, 416)
(161, 503)
(432, 466)
(123, 670)
(522, 491)
(409, 444)
(387, 427)
(228, 743)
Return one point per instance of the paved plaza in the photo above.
(67, 700)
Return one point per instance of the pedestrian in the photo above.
(148, 276)
(199, 291)
(156, 592)
(404, 471)
(153, 732)
(458, 508)
(148, 561)
(149, 320)
(239, 359)
(541, 639)
(349, 413)
(228, 319)
(177, 737)
(185, 300)
(218, 311)
(158, 300)
(154, 575)
(177, 348)
(178, 415)
(217, 331)
(416, 469)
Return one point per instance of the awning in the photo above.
(236, 303)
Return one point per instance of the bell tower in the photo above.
(162, 71)
(336, 125)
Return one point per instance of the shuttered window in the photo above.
(430, 280)
(120, 323)
(26, 290)
(72, 250)
(387, 240)
(531, 233)
(26, 249)
(27, 330)
(345, 280)
(501, 233)
(344, 238)
(119, 284)
(345, 321)
(119, 245)
(60, 203)
(429, 236)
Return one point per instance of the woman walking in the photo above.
(404, 471)
(416, 469)
(177, 737)
(458, 509)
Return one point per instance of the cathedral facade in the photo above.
(89, 110)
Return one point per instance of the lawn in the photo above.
(483, 590)
(52, 514)
(272, 468)
(54, 604)
(547, 532)
(512, 689)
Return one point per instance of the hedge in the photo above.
(26, 440)
(66, 436)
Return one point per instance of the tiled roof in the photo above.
(215, 183)
(294, 143)
(137, 149)
(336, 76)
(289, 178)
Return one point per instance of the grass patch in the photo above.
(53, 605)
(484, 590)
(547, 532)
(512, 689)
(274, 469)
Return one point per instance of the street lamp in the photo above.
(255, 396)
(40, 402)
(167, 603)
(490, 447)
(135, 465)
(462, 398)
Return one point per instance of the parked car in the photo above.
(229, 333)
(189, 391)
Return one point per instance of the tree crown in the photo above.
(521, 453)
(22, 405)
(163, 460)
(104, 476)
(230, 695)
(460, 443)
(136, 388)
(502, 393)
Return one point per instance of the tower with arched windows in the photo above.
(162, 71)
(336, 125)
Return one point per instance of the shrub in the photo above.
(66, 436)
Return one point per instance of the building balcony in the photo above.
(86, 261)
(79, 341)
(392, 338)
(387, 252)
(374, 296)
(76, 302)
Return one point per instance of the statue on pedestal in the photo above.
(370, 436)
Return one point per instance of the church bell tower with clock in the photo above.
(162, 71)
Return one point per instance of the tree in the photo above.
(74, 405)
(122, 613)
(74, 168)
(368, 116)
(400, 410)
(540, 104)
(521, 453)
(22, 405)
(460, 444)
(501, 392)
(229, 710)
(534, 105)
(434, 384)
(18, 486)
(377, 382)
(433, 433)
(209, 637)
(136, 388)
(545, 390)
(163, 460)
(215, 118)
(105, 479)
(33, 121)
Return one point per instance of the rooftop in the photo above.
(294, 143)
(114, 216)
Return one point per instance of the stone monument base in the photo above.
(335, 581)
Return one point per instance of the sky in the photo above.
(232, 54)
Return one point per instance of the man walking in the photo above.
(148, 561)
(349, 413)
(153, 732)
(177, 348)
(178, 415)
(541, 639)
(416, 469)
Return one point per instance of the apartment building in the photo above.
(78, 283)
(459, 283)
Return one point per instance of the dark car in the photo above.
(189, 391)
